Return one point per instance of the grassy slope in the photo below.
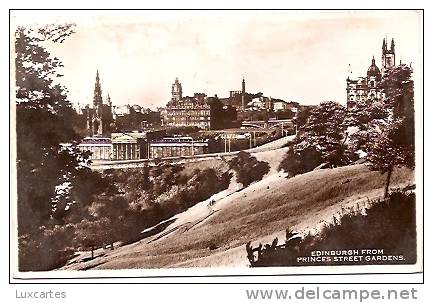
(258, 213)
(271, 152)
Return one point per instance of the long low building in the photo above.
(120, 146)
(141, 145)
(177, 147)
(99, 147)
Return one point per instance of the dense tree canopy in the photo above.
(248, 169)
(54, 185)
(392, 142)
(44, 170)
(325, 133)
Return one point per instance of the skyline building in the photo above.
(187, 111)
(366, 88)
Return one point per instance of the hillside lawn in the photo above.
(216, 235)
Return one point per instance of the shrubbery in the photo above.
(148, 196)
(248, 169)
(295, 163)
(389, 225)
(132, 201)
(322, 138)
(45, 248)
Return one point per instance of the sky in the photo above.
(301, 56)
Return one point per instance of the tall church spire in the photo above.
(96, 123)
(97, 95)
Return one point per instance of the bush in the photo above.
(389, 225)
(248, 168)
(90, 234)
(295, 163)
(46, 248)
(111, 213)
(166, 192)
(133, 200)
(200, 186)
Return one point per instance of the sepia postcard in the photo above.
(215, 142)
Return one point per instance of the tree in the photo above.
(54, 185)
(295, 163)
(202, 184)
(325, 132)
(89, 234)
(141, 180)
(42, 122)
(112, 211)
(46, 248)
(361, 118)
(392, 141)
(364, 112)
(248, 168)
(303, 115)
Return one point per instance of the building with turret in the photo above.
(186, 111)
(366, 88)
(176, 91)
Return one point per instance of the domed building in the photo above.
(373, 79)
(373, 70)
(366, 88)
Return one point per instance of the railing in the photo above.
(154, 161)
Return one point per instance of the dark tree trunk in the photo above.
(111, 246)
(388, 179)
(92, 253)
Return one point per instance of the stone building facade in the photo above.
(366, 88)
(129, 146)
(187, 111)
(177, 147)
(99, 147)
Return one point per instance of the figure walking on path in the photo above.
(210, 204)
